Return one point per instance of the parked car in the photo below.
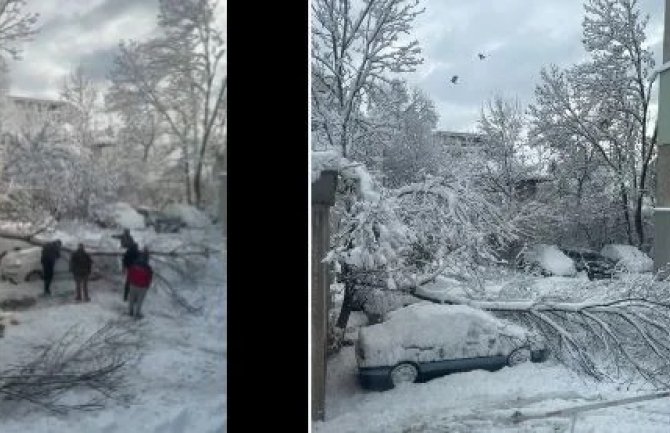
(596, 265)
(25, 265)
(161, 222)
(628, 258)
(426, 340)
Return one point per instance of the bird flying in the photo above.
(454, 79)
(481, 56)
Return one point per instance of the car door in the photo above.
(480, 349)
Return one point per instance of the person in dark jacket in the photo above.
(80, 266)
(140, 275)
(50, 253)
(129, 258)
(126, 239)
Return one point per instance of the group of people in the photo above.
(139, 273)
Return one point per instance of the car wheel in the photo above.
(404, 373)
(34, 276)
(519, 356)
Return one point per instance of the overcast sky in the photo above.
(73, 32)
(519, 37)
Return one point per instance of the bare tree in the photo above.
(603, 104)
(502, 126)
(397, 138)
(16, 26)
(354, 49)
(81, 95)
(181, 75)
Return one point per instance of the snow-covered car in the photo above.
(595, 265)
(427, 340)
(628, 258)
(25, 265)
(548, 260)
(161, 222)
(191, 216)
(118, 215)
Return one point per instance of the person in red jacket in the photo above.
(140, 275)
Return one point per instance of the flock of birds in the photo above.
(454, 79)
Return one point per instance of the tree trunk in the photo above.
(345, 310)
(197, 178)
(639, 227)
(626, 213)
(187, 176)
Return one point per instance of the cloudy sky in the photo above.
(85, 32)
(518, 36)
(74, 32)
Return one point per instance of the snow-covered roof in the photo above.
(331, 160)
(327, 160)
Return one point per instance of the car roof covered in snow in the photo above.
(428, 325)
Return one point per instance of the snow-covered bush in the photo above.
(628, 257)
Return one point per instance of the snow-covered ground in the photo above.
(180, 382)
(482, 401)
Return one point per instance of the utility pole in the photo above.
(662, 209)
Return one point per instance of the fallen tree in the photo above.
(166, 259)
(606, 339)
(31, 238)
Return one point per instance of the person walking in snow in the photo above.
(140, 275)
(50, 253)
(80, 266)
(129, 258)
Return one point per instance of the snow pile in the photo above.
(190, 215)
(485, 399)
(551, 259)
(632, 259)
(426, 332)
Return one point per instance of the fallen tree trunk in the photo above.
(30, 238)
(518, 417)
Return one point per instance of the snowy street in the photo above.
(482, 401)
(179, 384)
